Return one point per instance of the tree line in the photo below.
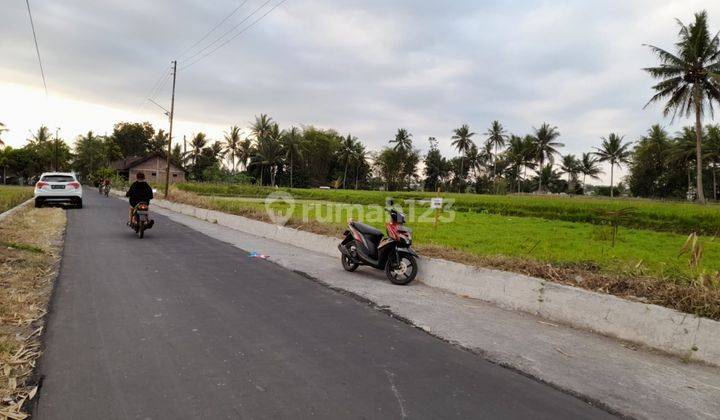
(497, 162)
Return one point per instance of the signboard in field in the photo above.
(436, 203)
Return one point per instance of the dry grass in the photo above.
(29, 252)
(700, 296)
(696, 294)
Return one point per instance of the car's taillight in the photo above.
(40, 185)
(74, 185)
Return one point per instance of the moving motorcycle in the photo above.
(365, 245)
(141, 220)
(105, 189)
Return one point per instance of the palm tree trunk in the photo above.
(495, 162)
(462, 163)
(345, 174)
(584, 185)
(291, 170)
(698, 151)
(715, 181)
(495, 170)
(612, 179)
(540, 185)
(357, 175)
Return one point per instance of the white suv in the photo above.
(58, 187)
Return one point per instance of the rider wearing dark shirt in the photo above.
(139, 192)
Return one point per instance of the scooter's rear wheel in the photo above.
(348, 264)
(401, 271)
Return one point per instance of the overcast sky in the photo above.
(362, 67)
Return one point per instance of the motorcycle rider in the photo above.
(139, 192)
(104, 184)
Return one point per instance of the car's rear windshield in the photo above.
(58, 178)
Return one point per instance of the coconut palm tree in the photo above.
(547, 175)
(245, 150)
(545, 147)
(462, 140)
(292, 140)
(262, 126)
(402, 140)
(614, 151)
(683, 152)
(42, 135)
(359, 158)
(690, 80)
(347, 147)
(269, 152)
(232, 145)
(571, 166)
(197, 143)
(2, 130)
(218, 150)
(520, 156)
(496, 138)
(475, 160)
(589, 167)
(713, 153)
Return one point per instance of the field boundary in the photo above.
(684, 335)
(15, 209)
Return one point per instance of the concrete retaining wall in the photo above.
(684, 335)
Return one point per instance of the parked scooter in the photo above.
(141, 220)
(365, 245)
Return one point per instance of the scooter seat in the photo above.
(366, 229)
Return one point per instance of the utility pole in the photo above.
(169, 151)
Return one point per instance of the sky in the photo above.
(365, 67)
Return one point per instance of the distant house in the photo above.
(152, 165)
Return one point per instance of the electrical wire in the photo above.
(234, 36)
(37, 48)
(220, 38)
(156, 87)
(186, 50)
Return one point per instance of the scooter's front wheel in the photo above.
(401, 270)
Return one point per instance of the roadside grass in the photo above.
(11, 196)
(667, 216)
(643, 264)
(29, 252)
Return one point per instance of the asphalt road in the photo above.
(182, 326)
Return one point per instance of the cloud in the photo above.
(362, 66)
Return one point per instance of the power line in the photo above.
(156, 86)
(37, 48)
(236, 35)
(212, 30)
(220, 38)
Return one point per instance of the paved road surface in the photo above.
(182, 326)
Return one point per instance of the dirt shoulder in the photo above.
(30, 248)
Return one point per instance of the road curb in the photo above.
(687, 336)
(15, 209)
